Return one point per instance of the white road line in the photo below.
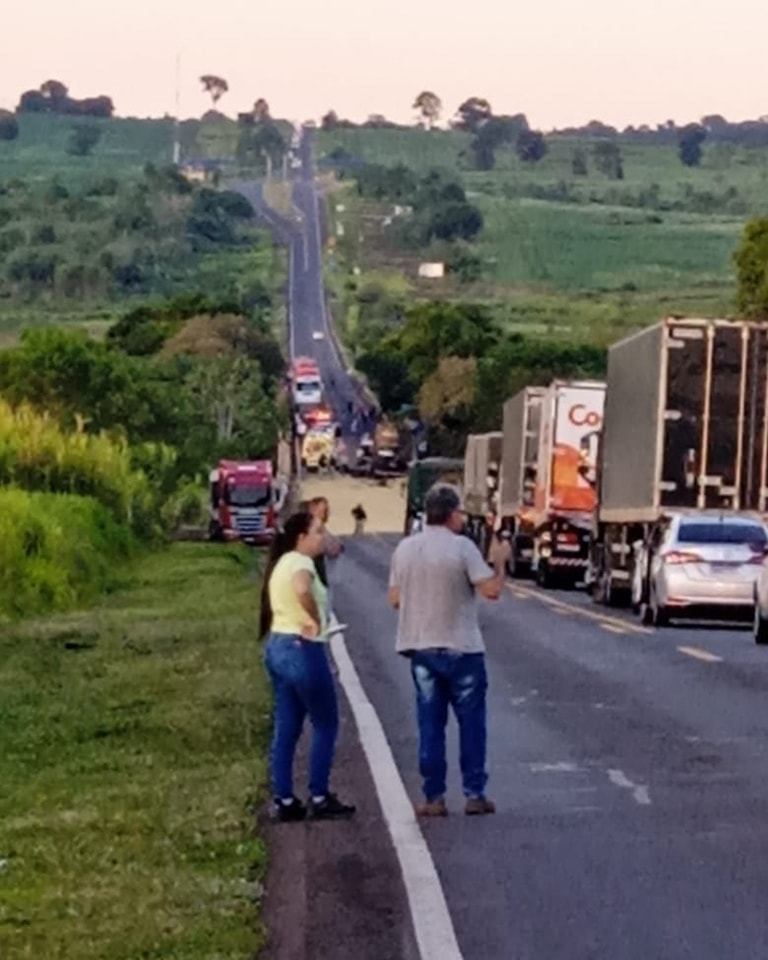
(429, 911)
(639, 792)
(700, 654)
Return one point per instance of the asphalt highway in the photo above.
(310, 329)
(629, 767)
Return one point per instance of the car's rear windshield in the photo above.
(709, 532)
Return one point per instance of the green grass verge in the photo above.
(132, 744)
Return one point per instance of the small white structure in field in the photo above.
(432, 271)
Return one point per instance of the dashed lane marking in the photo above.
(640, 793)
(626, 626)
(698, 654)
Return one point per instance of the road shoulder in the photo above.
(336, 889)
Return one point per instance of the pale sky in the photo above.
(561, 62)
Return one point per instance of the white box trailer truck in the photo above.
(482, 464)
(547, 491)
(517, 482)
(565, 497)
(685, 429)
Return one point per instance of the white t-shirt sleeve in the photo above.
(475, 567)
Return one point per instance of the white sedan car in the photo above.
(318, 335)
(698, 563)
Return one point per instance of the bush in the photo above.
(35, 454)
(9, 126)
(56, 551)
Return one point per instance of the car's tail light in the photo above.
(678, 557)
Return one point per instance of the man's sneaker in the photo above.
(330, 808)
(477, 806)
(431, 808)
(288, 812)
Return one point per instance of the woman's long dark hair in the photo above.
(285, 540)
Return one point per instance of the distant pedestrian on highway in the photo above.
(295, 620)
(320, 508)
(359, 516)
(434, 578)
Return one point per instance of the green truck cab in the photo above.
(422, 474)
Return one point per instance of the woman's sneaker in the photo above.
(291, 812)
(330, 808)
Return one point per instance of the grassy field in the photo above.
(560, 252)
(80, 244)
(131, 751)
(126, 144)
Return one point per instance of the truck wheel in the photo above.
(610, 597)
(760, 628)
(544, 576)
(515, 569)
(215, 533)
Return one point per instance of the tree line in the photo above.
(491, 131)
(103, 445)
(53, 96)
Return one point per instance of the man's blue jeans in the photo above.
(303, 685)
(444, 677)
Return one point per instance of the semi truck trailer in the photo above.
(517, 480)
(482, 465)
(685, 430)
(564, 496)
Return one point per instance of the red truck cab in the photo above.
(243, 502)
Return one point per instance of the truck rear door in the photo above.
(713, 451)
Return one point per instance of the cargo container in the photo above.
(517, 481)
(564, 493)
(482, 464)
(685, 429)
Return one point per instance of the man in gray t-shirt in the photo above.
(434, 581)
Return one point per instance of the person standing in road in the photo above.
(434, 578)
(294, 618)
(320, 508)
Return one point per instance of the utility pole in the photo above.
(177, 125)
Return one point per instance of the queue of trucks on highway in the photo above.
(649, 488)
(319, 434)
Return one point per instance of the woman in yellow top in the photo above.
(294, 615)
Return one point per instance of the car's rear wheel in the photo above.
(760, 627)
(659, 613)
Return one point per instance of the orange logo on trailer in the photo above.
(581, 417)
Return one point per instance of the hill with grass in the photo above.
(566, 243)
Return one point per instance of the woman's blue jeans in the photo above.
(303, 686)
